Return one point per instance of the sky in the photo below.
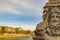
(21, 13)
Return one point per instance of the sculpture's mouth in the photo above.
(55, 21)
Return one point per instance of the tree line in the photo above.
(10, 30)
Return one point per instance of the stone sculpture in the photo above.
(49, 29)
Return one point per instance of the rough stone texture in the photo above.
(49, 29)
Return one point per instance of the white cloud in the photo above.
(25, 4)
(6, 6)
(8, 9)
(12, 5)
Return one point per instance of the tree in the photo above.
(2, 30)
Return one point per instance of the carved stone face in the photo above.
(55, 19)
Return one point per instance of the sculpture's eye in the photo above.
(52, 16)
(57, 16)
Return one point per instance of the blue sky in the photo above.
(21, 13)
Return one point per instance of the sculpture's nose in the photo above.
(54, 19)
